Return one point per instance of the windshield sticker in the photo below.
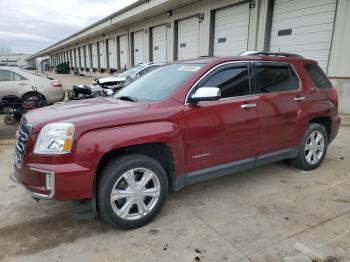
(189, 68)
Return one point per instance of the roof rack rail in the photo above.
(277, 54)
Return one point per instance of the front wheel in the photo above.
(131, 191)
(313, 148)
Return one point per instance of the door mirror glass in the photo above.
(206, 94)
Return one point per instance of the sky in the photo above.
(28, 26)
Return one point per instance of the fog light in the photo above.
(49, 181)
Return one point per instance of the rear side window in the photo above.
(273, 78)
(317, 76)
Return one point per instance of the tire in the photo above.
(28, 96)
(117, 181)
(307, 159)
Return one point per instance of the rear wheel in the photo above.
(313, 148)
(132, 191)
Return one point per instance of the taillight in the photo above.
(56, 84)
(334, 97)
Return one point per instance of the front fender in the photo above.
(93, 145)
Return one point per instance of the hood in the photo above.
(88, 114)
(111, 79)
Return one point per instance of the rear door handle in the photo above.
(299, 98)
(245, 106)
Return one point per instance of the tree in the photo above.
(5, 51)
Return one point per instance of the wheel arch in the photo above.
(324, 121)
(33, 92)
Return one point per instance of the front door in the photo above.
(222, 131)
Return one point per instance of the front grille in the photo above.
(21, 142)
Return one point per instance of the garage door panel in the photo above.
(123, 51)
(290, 6)
(325, 9)
(94, 55)
(159, 43)
(312, 28)
(231, 30)
(188, 38)
(138, 47)
(112, 53)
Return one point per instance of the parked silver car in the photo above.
(18, 82)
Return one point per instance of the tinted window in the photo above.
(317, 76)
(276, 78)
(232, 80)
(160, 83)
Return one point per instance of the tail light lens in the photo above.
(56, 84)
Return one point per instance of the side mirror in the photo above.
(206, 94)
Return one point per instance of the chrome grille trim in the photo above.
(22, 136)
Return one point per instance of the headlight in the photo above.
(55, 138)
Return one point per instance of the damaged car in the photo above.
(109, 85)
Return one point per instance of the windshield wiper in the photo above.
(127, 98)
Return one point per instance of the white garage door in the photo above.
(231, 30)
(112, 53)
(188, 38)
(88, 57)
(76, 57)
(94, 55)
(102, 54)
(81, 54)
(123, 51)
(138, 47)
(159, 43)
(303, 27)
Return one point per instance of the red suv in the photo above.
(184, 123)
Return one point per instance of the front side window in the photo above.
(273, 77)
(17, 77)
(317, 76)
(232, 80)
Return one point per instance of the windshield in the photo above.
(131, 71)
(160, 83)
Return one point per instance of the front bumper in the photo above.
(49, 184)
(71, 181)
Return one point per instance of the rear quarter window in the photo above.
(317, 76)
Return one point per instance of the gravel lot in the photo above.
(271, 213)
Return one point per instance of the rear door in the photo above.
(280, 96)
(11, 83)
(223, 131)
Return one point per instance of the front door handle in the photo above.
(245, 106)
(299, 98)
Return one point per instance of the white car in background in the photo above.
(15, 81)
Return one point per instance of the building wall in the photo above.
(260, 18)
(14, 59)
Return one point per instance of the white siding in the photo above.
(159, 43)
(94, 55)
(311, 23)
(138, 47)
(123, 51)
(112, 53)
(231, 30)
(188, 38)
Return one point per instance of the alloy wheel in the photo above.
(135, 194)
(314, 147)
